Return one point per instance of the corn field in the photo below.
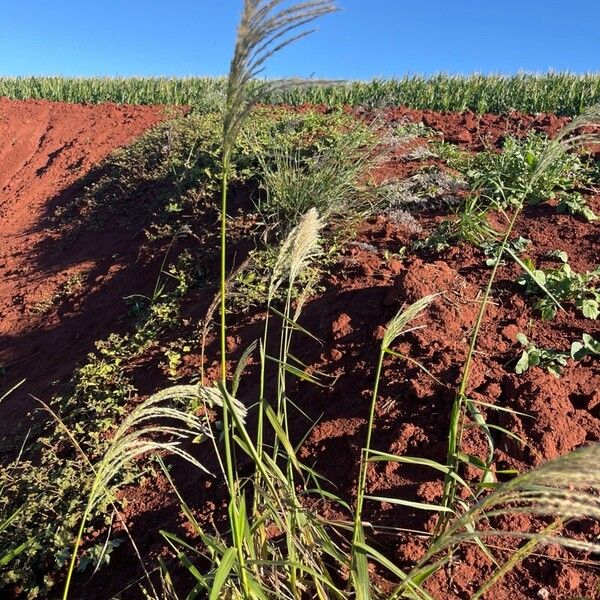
(560, 93)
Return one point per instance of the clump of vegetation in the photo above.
(274, 546)
(554, 360)
(169, 177)
(403, 133)
(97, 399)
(428, 189)
(575, 204)
(561, 284)
(513, 247)
(470, 225)
(504, 177)
(454, 156)
(405, 219)
(66, 290)
(330, 181)
(251, 286)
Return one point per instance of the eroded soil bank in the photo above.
(46, 148)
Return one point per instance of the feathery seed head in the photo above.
(568, 139)
(565, 488)
(398, 324)
(300, 246)
(264, 29)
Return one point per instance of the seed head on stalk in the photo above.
(264, 29)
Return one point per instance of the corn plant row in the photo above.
(562, 93)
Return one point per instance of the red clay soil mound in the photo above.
(44, 148)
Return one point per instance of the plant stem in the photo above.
(362, 476)
(457, 414)
(227, 425)
(224, 268)
(223, 336)
(84, 519)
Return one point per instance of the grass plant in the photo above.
(332, 181)
(265, 28)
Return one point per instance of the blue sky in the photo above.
(369, 38)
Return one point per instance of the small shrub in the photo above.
(532, 356)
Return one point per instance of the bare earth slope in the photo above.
(45, 147)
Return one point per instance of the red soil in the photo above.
(45, 148)
(362, 293)
(473, 130)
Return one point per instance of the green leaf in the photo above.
(14, 552)
(413, 584)
(547, 311)
(376, 456)
(590, 309)
(591, 344)
(534, 357)
(360, 572)
(588, 346)
(222, 574)
(539, 277)
(419, 505)
(554, 370)
(578, 351)
(560, 255)
(292, 370)
(283, 438)
(294, 325)
(522, 339)
(523, 363)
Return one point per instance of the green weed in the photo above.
(46, 516)
(469, 226)
(504, 177)
(564, 285)
(331, 181)
(532, 356)
(66, 290)
(515, 247)
(575, 204)
(588, 346)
